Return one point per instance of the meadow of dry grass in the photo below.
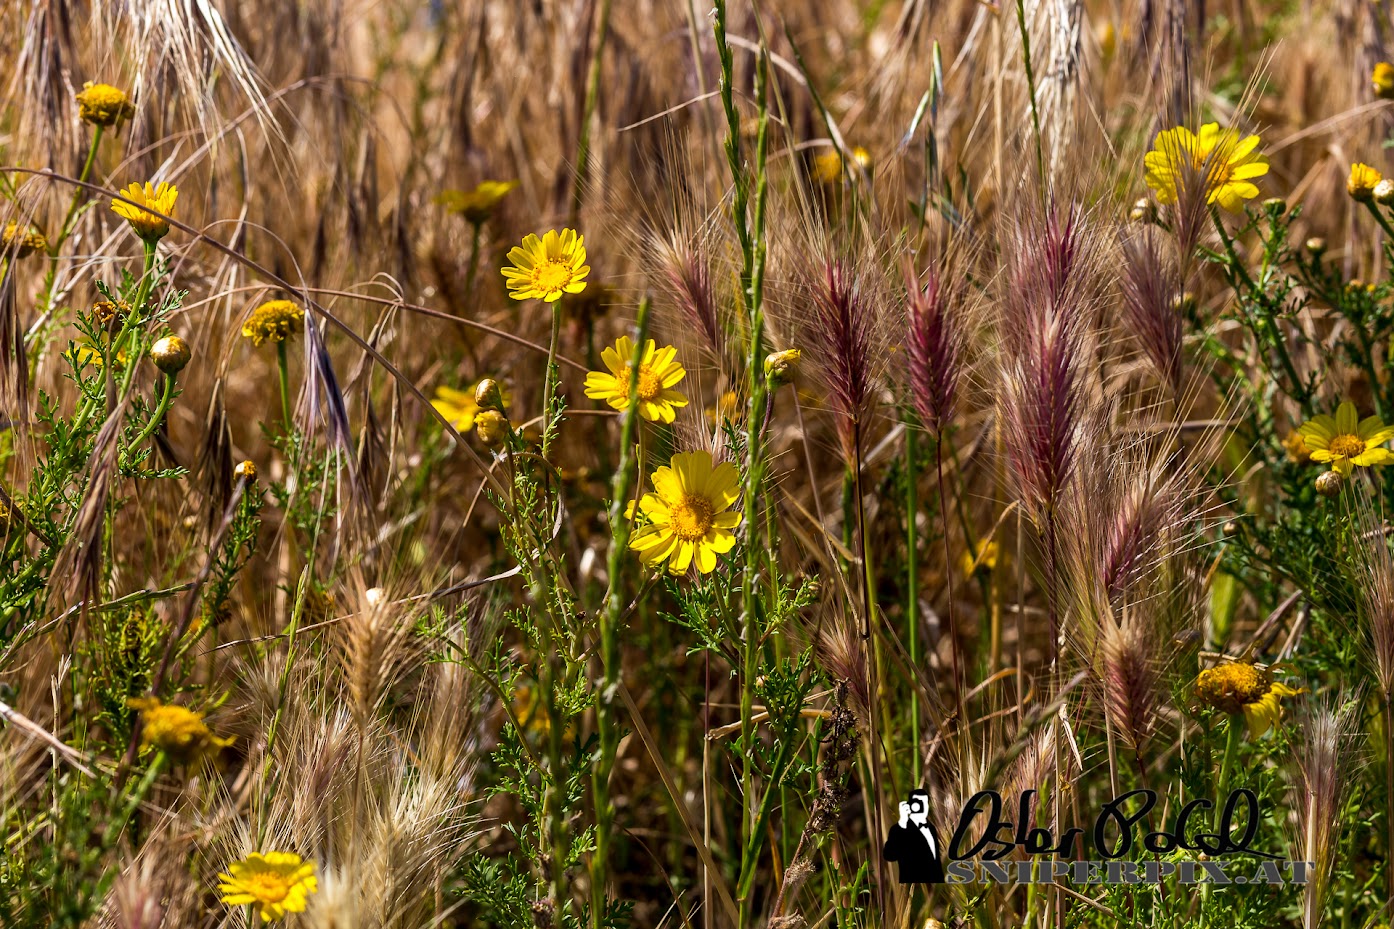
(997, 464)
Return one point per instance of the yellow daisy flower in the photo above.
(276, 882)
(1382, 80)
(1361, 182)
(175, 730)
(1347, 441)
(85, 353)
(1230, 164)
(461, 407)
(273, 321)
(546, 268)
(688, 519)
(103, 105)
(658, 373)
(1238, 687)
(1296, 447)
(476, 205)
(159, 198)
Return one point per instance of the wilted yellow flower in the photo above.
(1382, 79)
(245, 470)
(476, 205)
(159, 198)
(103, 105)
(276, 882)
(659, 372)
(984, 558)
(1229, 163)
(491, 426)
(21, 240)
(780, 367)
(273, 321)
(827, 167)
(548, 267)
(1238, 687)
(688, 519)
(1346, 441)
(175, 730)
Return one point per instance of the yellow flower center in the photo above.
(649, 384)
(267, 886)
(1347, 446)
(1231, 686)
(692, 518)
(550, 276)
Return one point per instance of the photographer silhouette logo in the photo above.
(913, 843)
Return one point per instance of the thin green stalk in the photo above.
(474, 259)
(1380, 218)
(283, 373)
(550, 384)
(166, 397)
(610, 618)
(583, 147)
(67, 227)
(912, 595)
(1030, 85)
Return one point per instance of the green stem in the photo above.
(550, 385)
(1380, 218)
(912, 595)
(606, 722)
(583, 147)
(66, 229)
(166, 397)
(474, 260)
(283, 373)
(1030, 86)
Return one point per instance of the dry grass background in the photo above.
(311, 139)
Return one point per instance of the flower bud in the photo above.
(487, 394)
(1276, 205)
(170, 354)
(780, 367)
(1316, 245)
(246, 470)
(1143, 211)
(1329, 484)
(491, 427)
(1384, 191)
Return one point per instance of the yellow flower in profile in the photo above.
(461, 407)
(827, 167)
(1382, 80)
(1346, 441)
(175, 730)
(546, 268)
(476, 205)
(1296, 447)
(688, 519)
(159, 198)
(659, 372)
(1238, 687)
(1229, 163)
(103, 105)
(781, 367)
(273, 321)
(276, 882)
(984, 558)
(22, 240)
(1362, 181)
